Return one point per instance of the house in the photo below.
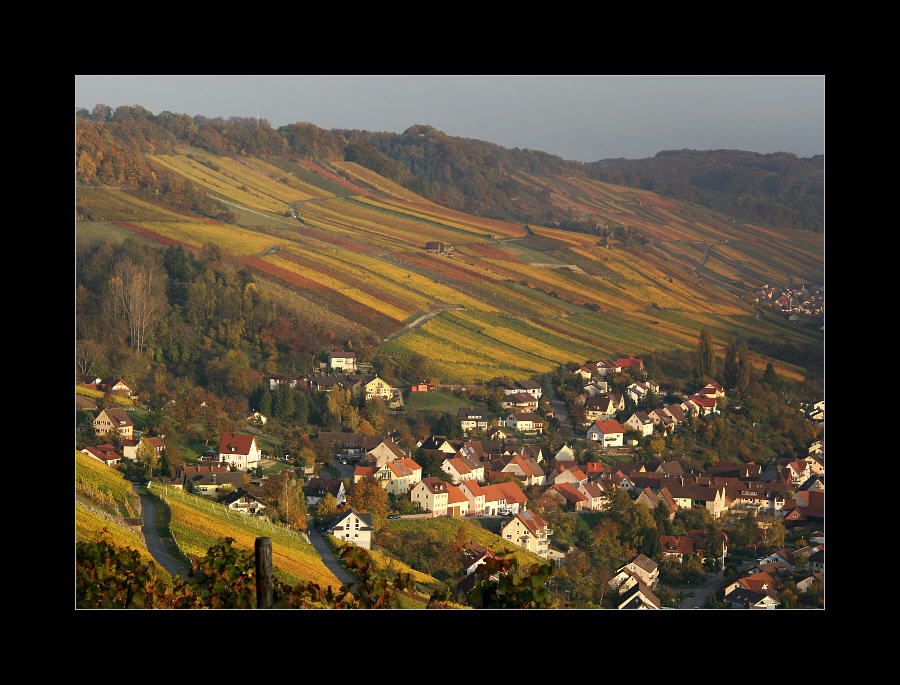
(113, 420)
(475, 494)
(567, 472)
(520, 401)
(105, 453)
(635, 594)
(713, 390)
(385, 451)
(437, 442)
(607, 433)
(743, 598)
(398, 476)
(525, 422)
(431, 494)
(639, 390)
(702, 406)
(461, 468)
(595, 494)
(599, 408)
(630, 365)
(376, 387)
(807, 583)
(346, 361)
(642, 567)
(435, 246)
(496, 433)
(529, 531)
(242, 501)
(526, 470)
(476, 555)
(317, 488)
(472, 418)
(528, 387)
(503, 497)
(424, 386)
(640, 422)
(154, 444)
(607, 368)
(457, 502)
(239, 449)
(565, 453)
(651, 500)
(676, 547)
(571, 498)
(596, 387)
(781, 555)
(211, 483)
(113, 385)
(353, 527)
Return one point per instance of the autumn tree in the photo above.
(367, 495)
(290, 501)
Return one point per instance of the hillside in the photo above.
(346, 245)
(104, 500)
(776, 189)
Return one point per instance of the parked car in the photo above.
(393, 516)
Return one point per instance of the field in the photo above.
(530, 298)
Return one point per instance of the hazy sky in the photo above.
(582, 118)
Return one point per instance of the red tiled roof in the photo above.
(235, 443)
(608, 427)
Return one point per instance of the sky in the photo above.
(577, 117)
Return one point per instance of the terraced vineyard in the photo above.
(529, 298)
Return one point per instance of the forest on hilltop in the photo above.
(469, 175)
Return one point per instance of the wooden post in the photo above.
(264, 587)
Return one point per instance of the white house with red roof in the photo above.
(608, 433)
(239, 449)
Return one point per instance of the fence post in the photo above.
(264, 590)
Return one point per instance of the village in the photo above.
(498, 458)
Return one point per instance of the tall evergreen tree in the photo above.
(730, 372)
(706, 358)
(743, 382)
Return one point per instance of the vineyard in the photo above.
(197, 523)
(350, 244)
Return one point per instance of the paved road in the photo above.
(331, 563)
(707, 588)
(566, 429)
(155, 544)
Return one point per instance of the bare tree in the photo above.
(133, 297)
(87, 352)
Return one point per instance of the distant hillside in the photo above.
(282, 243)
(778, 189)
